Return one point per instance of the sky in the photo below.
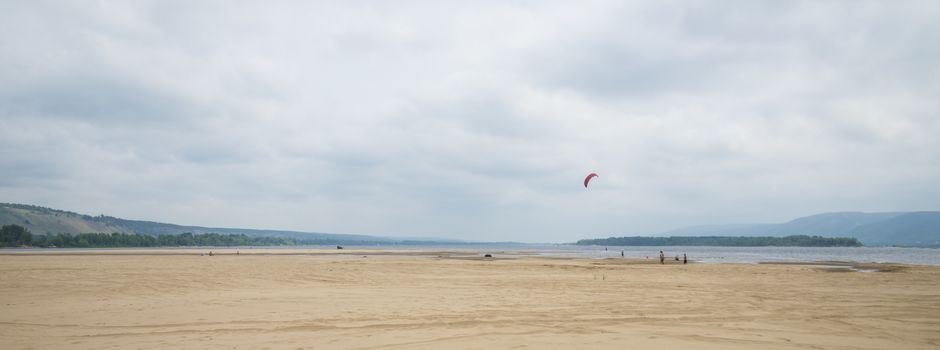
(474, 121)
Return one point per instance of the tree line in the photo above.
(18, 236)
(788, 241)
(15, 236)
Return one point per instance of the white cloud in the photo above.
(474, 122)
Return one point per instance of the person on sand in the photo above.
(685, 259)
(662, 258)
(621, 253)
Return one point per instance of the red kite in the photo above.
(588, 178)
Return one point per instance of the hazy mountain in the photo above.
(891, 228)
(40, 220)
(895, 228)
(832, 224)
(719, 230)
(917, 228)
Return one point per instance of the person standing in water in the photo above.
(662, 258)
(685, 259)
(621, 253)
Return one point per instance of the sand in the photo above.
(280, 299)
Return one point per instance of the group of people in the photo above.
(662, 258)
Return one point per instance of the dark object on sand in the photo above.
(685, 259)
(339, 247)
(487, 256)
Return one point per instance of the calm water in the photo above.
(921, 256)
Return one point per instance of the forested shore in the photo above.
(744, 241)
(17, 236)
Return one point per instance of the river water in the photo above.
(919, 256)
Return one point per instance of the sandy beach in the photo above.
(359, 299)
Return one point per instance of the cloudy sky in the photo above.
(470, 121)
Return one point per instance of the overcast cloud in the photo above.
(470, 121)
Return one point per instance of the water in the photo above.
(919, 256)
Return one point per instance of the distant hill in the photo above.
(913, 229)
(41, 220)
(719, 230)
(833, 224)
(891, 228)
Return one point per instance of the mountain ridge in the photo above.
(42, 220)
(918, 228)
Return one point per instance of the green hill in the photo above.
(40, 220)
(44, 221)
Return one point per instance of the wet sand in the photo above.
(364, 299)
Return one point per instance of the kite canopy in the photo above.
(588, 178)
